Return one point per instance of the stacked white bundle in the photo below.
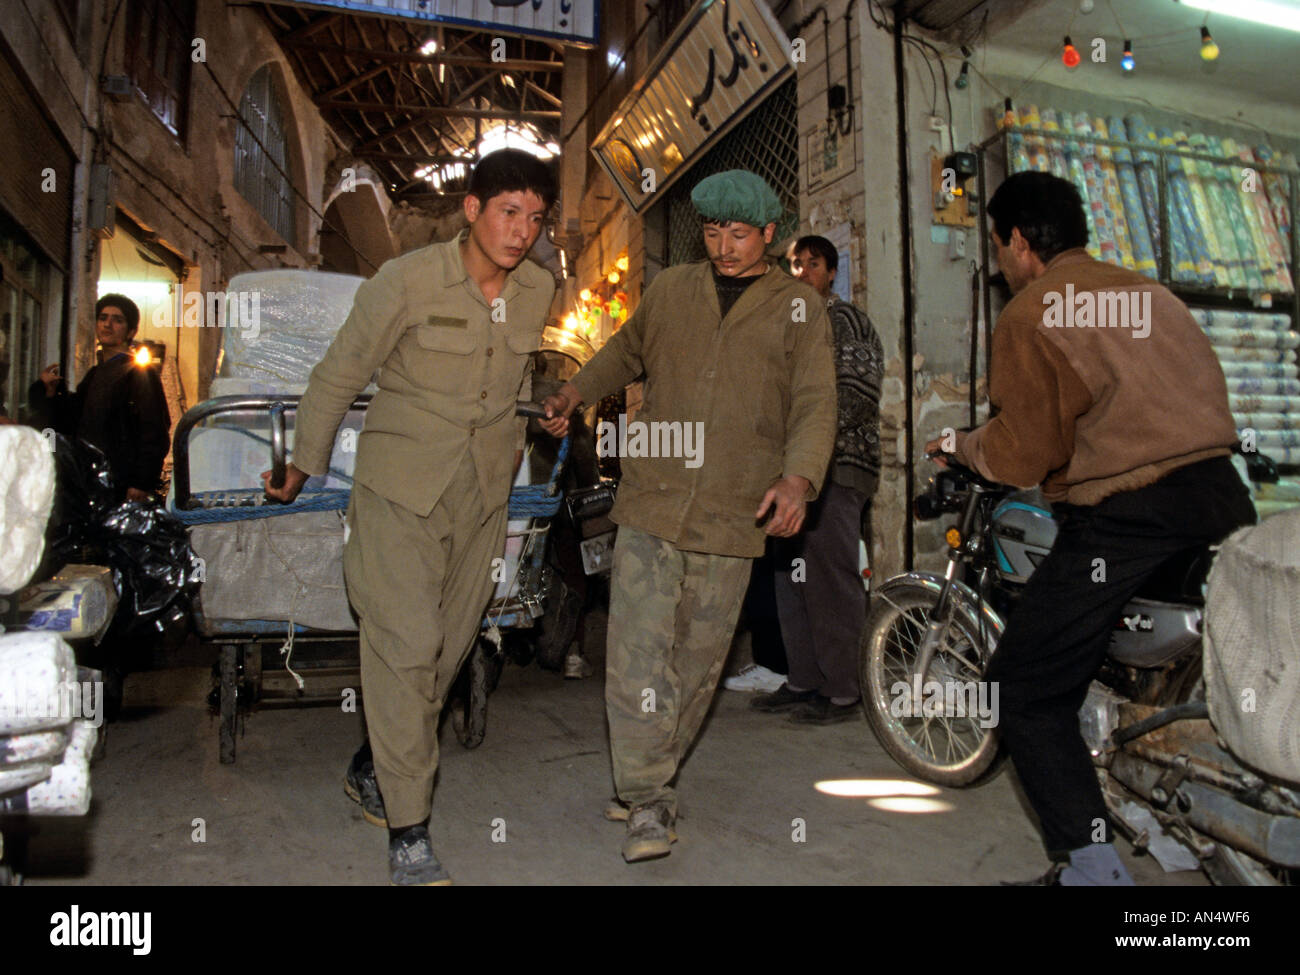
(45, 737)
(1258, 353)
(295, 315)
(26, 494)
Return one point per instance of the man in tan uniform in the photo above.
(451, 328)
(739, 378)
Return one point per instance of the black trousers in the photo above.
(1057, 635)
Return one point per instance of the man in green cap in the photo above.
(733, 438)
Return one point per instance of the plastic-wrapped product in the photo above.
(1074, 161)
(1230, 222)
(1194, 216)
(1114, 200)
(296, 315)
(26, 496)
(1276, 250)
(67, 790)
(1096, 182)
(1144, 254)
(36, 669)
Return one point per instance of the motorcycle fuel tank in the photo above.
(1023, 533)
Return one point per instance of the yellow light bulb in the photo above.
(142, 356)
(585, 294)
(613, 277)
(621, 263)
(1209, 50)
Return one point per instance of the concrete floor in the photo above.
(279, 815)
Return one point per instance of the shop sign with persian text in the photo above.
(724, 58)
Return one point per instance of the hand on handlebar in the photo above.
(559, 406)
(294, 479)
(944, 458)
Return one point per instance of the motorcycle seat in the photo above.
(1179, 579)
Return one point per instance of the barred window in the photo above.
(259, 175)
(159, 34)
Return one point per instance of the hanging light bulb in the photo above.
(1069, 55)
(1127, 62)
(963, 79)
(1209, 50)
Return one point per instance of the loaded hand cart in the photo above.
(272, 599)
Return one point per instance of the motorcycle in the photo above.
(1168, 781)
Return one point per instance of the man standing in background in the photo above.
(119, 405)
(819, 592)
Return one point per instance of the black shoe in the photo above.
(822, 710)
(361, 786)
(1050, 879)
(781, 699)
(411, 861)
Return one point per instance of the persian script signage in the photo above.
(721, 62)
(575, 21)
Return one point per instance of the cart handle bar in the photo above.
(274, 404)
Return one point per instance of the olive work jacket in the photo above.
(451, 368)
(759, 385)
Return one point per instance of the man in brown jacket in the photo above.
(737, 425)
(451, 328)
(1107, 393)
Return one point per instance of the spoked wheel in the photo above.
(477, 678)
(939, 737)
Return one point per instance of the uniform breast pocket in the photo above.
(448, 335)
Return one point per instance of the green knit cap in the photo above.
(737, 194)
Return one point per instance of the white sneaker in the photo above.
(754, 678)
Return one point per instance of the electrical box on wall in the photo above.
(101, 210)
(950, 187)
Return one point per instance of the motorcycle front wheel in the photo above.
(948, 740)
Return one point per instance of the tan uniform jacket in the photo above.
(448, 384)
(762, 383)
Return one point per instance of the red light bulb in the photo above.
(1070, 56)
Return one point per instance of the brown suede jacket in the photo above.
(1101, 382)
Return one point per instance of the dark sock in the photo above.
(395, 831)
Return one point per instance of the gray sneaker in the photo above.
(650, 833)
(411, 861)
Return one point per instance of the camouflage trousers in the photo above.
(419, 586)
(672, 615)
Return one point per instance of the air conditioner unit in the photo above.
(116, 86)
(101, 210)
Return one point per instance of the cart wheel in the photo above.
(557, 628)
(469, 719)
(229, 662)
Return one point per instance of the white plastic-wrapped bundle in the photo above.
(67, 790)
(279, 323)
(26, 493)
(36, 671)
(77, 602)
(1252, 644)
